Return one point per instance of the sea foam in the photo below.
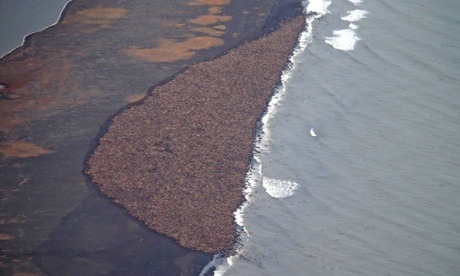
(279, 188)
(344, 40)
(355, 15)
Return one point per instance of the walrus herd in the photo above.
(178, 159)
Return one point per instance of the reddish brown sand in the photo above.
(178, 160)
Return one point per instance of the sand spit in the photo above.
(178, 160)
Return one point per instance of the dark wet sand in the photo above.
(59, 89)
(178, 160)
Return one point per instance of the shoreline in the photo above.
(63, 132)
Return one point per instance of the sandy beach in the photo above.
(58, 92)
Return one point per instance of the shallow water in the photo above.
(378, 186)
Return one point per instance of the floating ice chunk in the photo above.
(312, 132)
(317, 6)
(279, 188)
(344, 40)
(355, 15)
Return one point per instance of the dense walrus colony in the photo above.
(178, 160)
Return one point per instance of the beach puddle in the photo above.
(209, 3)
(170, 50)
(22, 149)
(210, 19)
(135, 97)
(208, 31)
(102, 17)
(38, 83)
(6, 237)
(215, 10)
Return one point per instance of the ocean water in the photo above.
(19, 18)
(359, 164)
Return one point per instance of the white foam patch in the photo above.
(344, 40)
(355, 15)
(356, 2)
(353, 26)
(279, 188)
(216, 261)
(318, 6)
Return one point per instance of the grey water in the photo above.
(19, 18)
(379, 186)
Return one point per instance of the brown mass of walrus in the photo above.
(178, 160)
